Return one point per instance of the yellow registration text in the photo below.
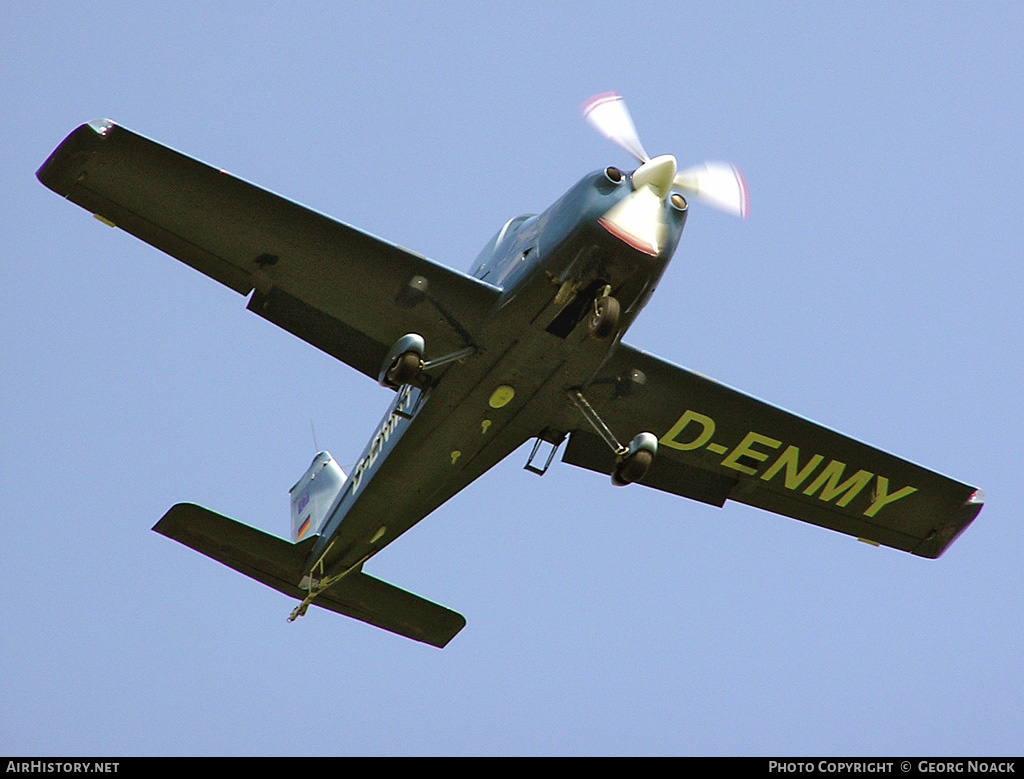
(772, 461)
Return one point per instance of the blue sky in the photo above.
(876, 288)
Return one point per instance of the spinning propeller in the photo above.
(714, 183)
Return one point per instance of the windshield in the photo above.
(497, 246)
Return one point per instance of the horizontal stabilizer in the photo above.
(281, 565)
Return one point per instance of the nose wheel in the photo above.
(604, 319)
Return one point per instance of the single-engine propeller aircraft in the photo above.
(526, 346)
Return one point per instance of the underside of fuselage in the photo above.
(456, 424)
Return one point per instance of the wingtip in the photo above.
(949, 531)
(101, 126)
(61, 170)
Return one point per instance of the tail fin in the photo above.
(279, 564)
(314, 494)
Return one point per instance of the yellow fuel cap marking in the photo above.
(501, 397)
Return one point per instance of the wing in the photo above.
(716, 444)
(344, 291)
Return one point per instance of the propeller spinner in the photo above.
(715, 183)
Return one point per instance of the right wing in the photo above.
(342, 290)
(715, 443)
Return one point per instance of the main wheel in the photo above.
(632, 468)
(604, 319)
(404, 369)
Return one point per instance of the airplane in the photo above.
(526, 346)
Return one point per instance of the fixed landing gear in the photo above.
(632, 466)
(403, 363)
(632, 461)
(604, 319)
(404, 369)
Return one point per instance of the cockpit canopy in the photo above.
(501, 247)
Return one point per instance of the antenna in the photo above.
(313, 429)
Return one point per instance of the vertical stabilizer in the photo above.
(313, 495)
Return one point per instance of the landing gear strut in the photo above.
(632, 461)
(405, 362)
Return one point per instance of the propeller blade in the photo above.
(608, 113)
(718, 184)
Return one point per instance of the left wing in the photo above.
(342, 290)
(715, 443)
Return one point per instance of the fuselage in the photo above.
(438, 436)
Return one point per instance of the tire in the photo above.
(404, 370)
(604, 319)
(633, 468)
